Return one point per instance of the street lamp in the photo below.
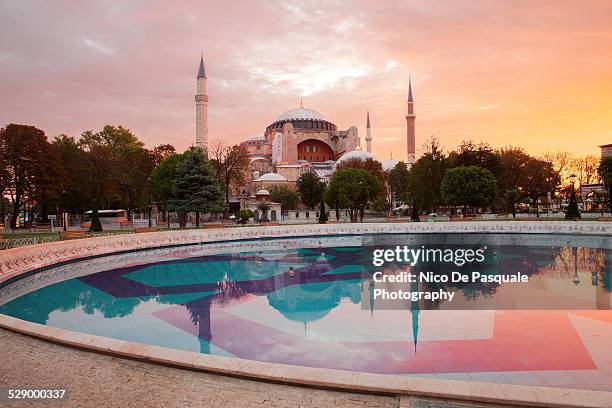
(243, 199)
(576, 277)
(64, 221)
(150, 209)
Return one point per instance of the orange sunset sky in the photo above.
(532, 74)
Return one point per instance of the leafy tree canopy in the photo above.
(469, 185)
(287, 198)
(352, 189)
(311, 189)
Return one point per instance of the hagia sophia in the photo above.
(300, 140)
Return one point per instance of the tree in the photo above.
(352, 189)
(426, 176)
(162, 179)
(244, 216)
(26, 165)
(585, 169)
(398, 183)
(472, 154)
(159, 153)
(468, 185)
(605, 172)
(512, 176)
(134, 178)
(195, 186)
(414, 215)
(380, 205)
(372, 166)
(231, 164)
(101, 171)
(74, 195)
(539, 179)
(310, 188)
(287, 198)
(264, 207)
(562, 162)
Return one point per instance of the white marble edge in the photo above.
(19, 261)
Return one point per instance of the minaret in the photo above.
(368, 135)
(201, 100)
(410, 136)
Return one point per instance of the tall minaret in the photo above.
(201, 100)
(410, 136)
(368, 135)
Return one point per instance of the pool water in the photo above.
(309, 302)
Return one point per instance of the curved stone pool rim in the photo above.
(19, 262)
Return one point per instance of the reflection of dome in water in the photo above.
(312, 301)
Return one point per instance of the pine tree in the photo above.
(196, 187)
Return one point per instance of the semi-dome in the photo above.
(389, 164)
(355, 154)
(301, 113)
(262, 192)
(271, 177)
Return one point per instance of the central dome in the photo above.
(303, 119)
(300, 113)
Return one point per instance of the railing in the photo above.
(19, 242)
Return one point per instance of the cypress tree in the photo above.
(195, 187)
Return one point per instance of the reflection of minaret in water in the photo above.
(200, 316)
(414, 312)
(371, 289)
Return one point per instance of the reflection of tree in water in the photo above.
(583, 259)
(499, 260)
(230, 291)
(38, 305)
(108, 305)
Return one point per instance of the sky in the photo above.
(531, 74)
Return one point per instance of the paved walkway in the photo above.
(95, 380)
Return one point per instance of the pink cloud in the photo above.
(503, 72)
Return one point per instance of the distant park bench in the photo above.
(209, 226)
(3, 243)
(66, 235)
(145, 229)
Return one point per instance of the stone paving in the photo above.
(97, 380)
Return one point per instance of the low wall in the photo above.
(19, 261)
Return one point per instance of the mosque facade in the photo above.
(300, 140)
